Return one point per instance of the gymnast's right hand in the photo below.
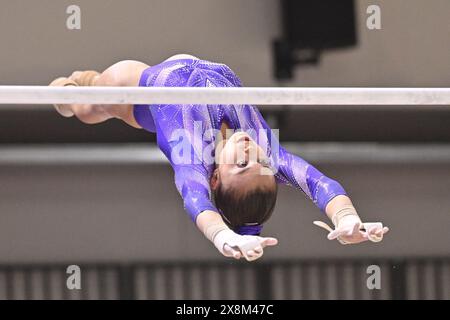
(231, 244)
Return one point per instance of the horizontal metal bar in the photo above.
(135, 154)
(232, 95)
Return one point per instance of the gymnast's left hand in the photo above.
(350, 230)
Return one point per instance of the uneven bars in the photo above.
(228, 95)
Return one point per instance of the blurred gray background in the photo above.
(103, 196)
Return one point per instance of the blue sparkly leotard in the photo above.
(192, 177)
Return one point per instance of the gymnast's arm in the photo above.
(293, 171)
(328, 195)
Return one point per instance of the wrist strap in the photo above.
(213, 229)
(345, 211)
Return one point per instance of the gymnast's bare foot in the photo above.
(85, 78)
(63, 109)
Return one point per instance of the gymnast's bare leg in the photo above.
(124, 73)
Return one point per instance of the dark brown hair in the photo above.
(240, 208)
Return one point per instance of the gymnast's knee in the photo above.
(123, 73)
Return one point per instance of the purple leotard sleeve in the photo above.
(296, 172)
(193, 186)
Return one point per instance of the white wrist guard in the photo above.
(222, 237)
(350, 211)
(237, 242)
(345, 211)
(212, 230)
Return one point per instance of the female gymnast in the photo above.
(225, 153)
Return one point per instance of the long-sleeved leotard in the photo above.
(186, 134)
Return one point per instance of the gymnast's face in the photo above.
(242, 164)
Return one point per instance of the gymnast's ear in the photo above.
(214, 182)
